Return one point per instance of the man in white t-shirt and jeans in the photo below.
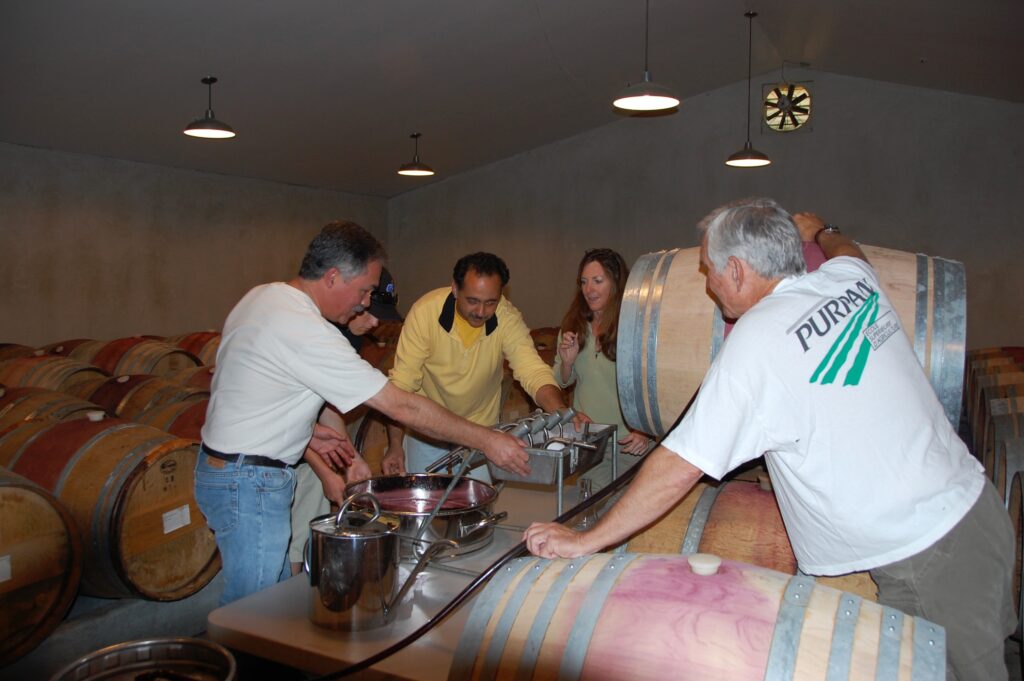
(819, 377)
(279, 360)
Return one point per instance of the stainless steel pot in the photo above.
(408, 500)
(352, 561)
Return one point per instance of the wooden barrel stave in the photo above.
(41, 553)
(129, 487)
(579, 619)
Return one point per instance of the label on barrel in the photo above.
(5, 568)
(176, 519)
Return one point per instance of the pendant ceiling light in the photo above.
(416, 168)
(646, 95)
(748, 156)
(209, 127)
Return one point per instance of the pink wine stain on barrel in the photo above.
(724, 616)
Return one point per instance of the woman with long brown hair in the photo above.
(586, 353)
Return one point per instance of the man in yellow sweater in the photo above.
(451, 351)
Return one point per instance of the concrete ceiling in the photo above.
(324, 93)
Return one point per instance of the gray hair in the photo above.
(758, 231)
(344, 245)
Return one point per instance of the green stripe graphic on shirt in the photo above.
(837, 355)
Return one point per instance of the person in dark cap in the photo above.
(383, 308)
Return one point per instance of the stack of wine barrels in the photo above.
(993, 393)
(96, 477)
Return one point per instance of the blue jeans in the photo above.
(249, 510)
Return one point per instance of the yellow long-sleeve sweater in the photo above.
(432, 361)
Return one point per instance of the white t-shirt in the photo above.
(278, 361)
(820, 378)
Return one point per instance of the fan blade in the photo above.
(791, 87)
(796, 123)
(800, 98)
(769, 118)
(801, 109)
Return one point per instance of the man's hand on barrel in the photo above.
(808, 224)
(508, 452)
(333, 447)
(552, 540)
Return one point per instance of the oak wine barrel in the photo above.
(739, 521)
(40, 404)
(64, 348)
(196, 377)
(670, 329)
(129, 396)
(129, 488)
(14, 350)
(40, 564)
(202, 344)
(136, 355)
(181, 419)
(51, 372)
(638, 617)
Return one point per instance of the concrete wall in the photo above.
(905, 168)
(101, 248)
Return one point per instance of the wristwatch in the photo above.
(830, 228)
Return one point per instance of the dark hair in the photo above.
(344, 245)
(486, 264)
(579, 314)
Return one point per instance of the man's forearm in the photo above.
(550, 398)
(427, 417)
(835, 244)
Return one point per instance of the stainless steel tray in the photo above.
(551, 466)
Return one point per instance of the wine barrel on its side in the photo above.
(51, 372)
(181, 419)
(14, 350)
(202, 344)
(129, 488)
(64, 348)
(639, 617)
(141, 355)
(739, 521)
(196, 377)
(670, 329)
(27, 404)
(40, 564)
(132, 395)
